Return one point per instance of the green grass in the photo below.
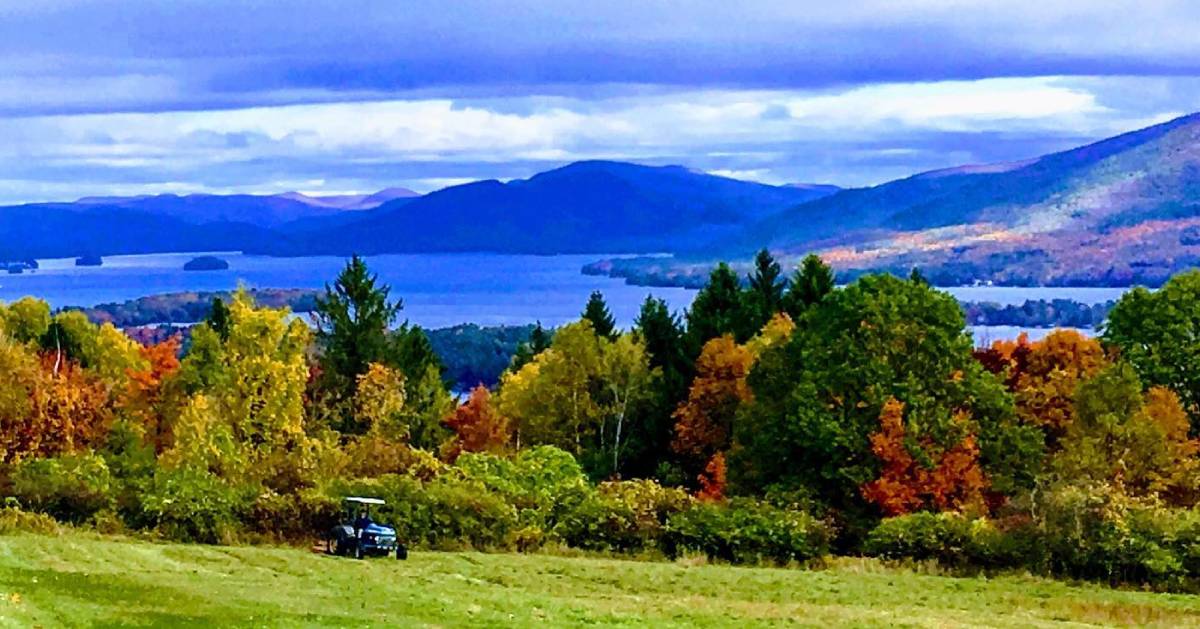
(84, 579)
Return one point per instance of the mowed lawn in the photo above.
(84, 580)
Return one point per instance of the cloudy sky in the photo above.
(137, 96)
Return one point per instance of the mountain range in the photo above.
(1119, 211)
(584, 207)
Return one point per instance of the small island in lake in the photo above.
(206, 263)
(89, 261)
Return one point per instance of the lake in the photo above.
(438, 290)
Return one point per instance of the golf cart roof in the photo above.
(365, 501)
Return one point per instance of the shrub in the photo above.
(297, 516)
(70, 488)
(622, 516)
(544, 484)
(14, 520)
(743, 531)
(193, 506)
(951, 539)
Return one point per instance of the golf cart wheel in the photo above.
(401, 552)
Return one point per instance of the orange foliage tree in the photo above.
(712, 481)
(143, 396)
(477, 427)
(704, 422)
(1043, 376)
(46, 412)
(949, 479)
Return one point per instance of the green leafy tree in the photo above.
(601, 317)
(25, 320)
(817, 398)
(808, 285)
(1159, 334)
(579, 395)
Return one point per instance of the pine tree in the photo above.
(809, 285)
(662, 334)
(717, 310)
(539, 341)
(916, 277)
(218, 318)
(765, 295)
(602, 319)
(353, 317)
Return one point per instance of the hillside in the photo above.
(80, 579)
(585, 207)
(1120, 211)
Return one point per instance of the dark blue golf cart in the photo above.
(358, 535)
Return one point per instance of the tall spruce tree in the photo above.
(764, 297)
(718, 309)
(353, 317)
(662, 333)
(601, 317)
(218, 318)
(808, 285)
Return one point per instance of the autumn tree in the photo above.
(245, 417)
(704, 422)
(918, 474)
(477, 427)
(46, 412)
(1134, 440)
(25, 320)
(144, 399)
(577, 395)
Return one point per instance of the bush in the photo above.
(951, 539)
(192, 506)
(14, 520)
(744, 531)
(70, 488)
(447, 512)
(544, 484)
(1097, 533)
(296, 517)
(622, 516)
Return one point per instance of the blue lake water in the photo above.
(438, 290)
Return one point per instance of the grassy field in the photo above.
(84, 580)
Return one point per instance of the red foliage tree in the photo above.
(952, 479)
(712, 481)
(704, 422)
(477, 427)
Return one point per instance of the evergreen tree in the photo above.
(718, 309)
(809, 285)
(539, 340)
(353, 317)
(916, 277)
(602, 319)
(662, 334)
(218, 318)
(765, 294)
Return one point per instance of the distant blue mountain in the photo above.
(592, 207)
(585, 207)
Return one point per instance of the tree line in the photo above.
(840, 419)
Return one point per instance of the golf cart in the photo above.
(358, 536)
